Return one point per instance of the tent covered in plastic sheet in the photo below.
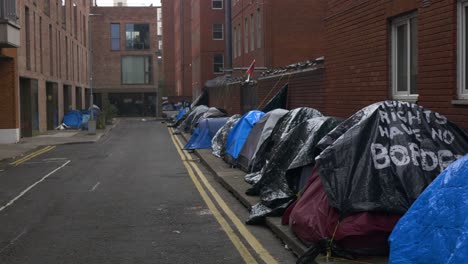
(214, 112)
(218, 144)
(373, 166)
(285, 124)
(261, 130)
(280, 100)
(239, 133)
(276, 188)
(391, 151)
(73, 119)
(204, 133)
(317, 224)
(193, 118)
(435, 228)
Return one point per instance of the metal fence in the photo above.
(8, 10)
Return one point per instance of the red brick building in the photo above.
(177, 48)
(404, 49)
(277, 33)
(168, 53)
(47, 75)
(208, 42)
(126, 58)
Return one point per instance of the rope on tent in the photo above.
(329, 251)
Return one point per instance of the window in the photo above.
(137, 36)
(47, 7)
(64, 14)
(115, 36)
(246, 36)
(217, 31)
(463, 50)
(404, 57)
(259, 29)
(218, 63)
(252, 32)
(136, 70)
(217, 4)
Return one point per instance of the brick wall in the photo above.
(227, 97)
(357, 55)
(168, 47)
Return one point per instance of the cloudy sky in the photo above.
(130, 2)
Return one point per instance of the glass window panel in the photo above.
(217, 4)
(137, 36)
(402, 58)
(218, 63)
(115, 36)
(136, 70)
(259, 29)
(414, 56)
(217, 31)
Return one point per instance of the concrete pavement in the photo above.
(51, 138)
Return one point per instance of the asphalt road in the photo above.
(127, 199)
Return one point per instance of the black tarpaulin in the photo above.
(193, 118)
(282, 128)
(275, 187)
(202, 99)
(280, 100)
(385, 155)
(218, 144)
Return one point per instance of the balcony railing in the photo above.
(8, 11)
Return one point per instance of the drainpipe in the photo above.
(228, 38)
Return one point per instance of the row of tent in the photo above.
(343, 185)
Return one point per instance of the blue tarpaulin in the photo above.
(73, 119)
(204, 133)
(241, 131)
(181, 113)
(435, 228)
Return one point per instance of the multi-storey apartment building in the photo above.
(51, 66)
(126, 57)
(208, 42)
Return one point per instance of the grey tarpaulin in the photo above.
(281, 129)
(259, 133)
(385, 155)
(218, 144)
(192, 118)
(295, 150)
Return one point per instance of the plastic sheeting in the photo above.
(248, 150)
(280, 100)
(73, 119)
(281, 129)
(214, 112)
(315, 223)
(218, 144)
(277, 189)
(192, 118)
(239, 133)
(180, 114)
(204, 133)
(391, 151)
(435, 228)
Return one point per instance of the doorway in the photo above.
(52, 105)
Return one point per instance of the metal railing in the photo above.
(8, 10)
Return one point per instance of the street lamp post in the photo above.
(92, 121)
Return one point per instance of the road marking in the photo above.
(95, 186)
(32, 155)
(244, 252)
(32, 186)
(13, 240)
(254, 243)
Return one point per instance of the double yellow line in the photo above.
(32, 155)
(202, 183)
